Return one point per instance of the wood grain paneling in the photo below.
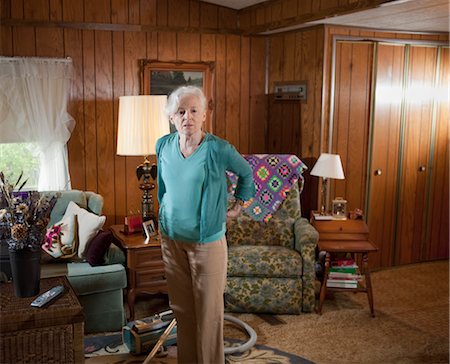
(104, 120)
(258, 98)
(49, 42)
(106, 38)
(232, 90)
(106, 67)
(350, 127)
(6, 40)
(294, 127)
(418, 119)
(404, 123)
(244, 104)
(384, 161)
(24, 41)
(219, 122)
(90, 131)
(120, 176)
(437, 241)
(73, 47)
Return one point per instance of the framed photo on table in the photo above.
(161, 78)
(149, 228)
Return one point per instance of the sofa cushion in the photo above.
(86, 279)
(264, 295)
(263, 261)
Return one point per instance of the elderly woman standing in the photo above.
(192, 192)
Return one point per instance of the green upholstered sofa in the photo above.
(99, 288)
(271, 265)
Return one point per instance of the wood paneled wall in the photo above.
(106, 38)
(294, 126)
(106, 66)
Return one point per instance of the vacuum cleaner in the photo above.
(160, 329)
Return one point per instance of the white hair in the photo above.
(174, 99)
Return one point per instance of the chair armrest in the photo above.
(114, 255)
(306, 238)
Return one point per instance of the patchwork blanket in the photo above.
(273, 175)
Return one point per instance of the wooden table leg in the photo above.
(130, 300)
(368, 282)
(323, 287)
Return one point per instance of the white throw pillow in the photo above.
(89, 225)
(65, 243)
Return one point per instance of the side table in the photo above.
(345, 237)
(51, 334)
(145, 267)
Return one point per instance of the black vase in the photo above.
(26, 271)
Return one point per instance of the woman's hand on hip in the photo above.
(235, 210)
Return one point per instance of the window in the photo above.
(17, 157)
(34, 123)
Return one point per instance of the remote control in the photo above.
(46, 297)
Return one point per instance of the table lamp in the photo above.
(142, 120)
(327, 166)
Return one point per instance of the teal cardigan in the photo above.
(221, 156)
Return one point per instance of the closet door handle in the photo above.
(422, 168)
(377, 172)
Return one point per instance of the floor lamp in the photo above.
(327, 166)
(142, 120)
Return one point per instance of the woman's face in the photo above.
(189, 118)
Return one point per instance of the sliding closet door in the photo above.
(384, 159)
(437, 241)
(390, 125)
(416, 136)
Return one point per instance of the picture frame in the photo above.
(149, 228)
(161, 78)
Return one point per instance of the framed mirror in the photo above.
(161, 78)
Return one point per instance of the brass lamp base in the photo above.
(147, 170)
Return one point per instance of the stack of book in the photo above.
(343, 273)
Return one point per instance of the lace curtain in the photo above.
(34, 94)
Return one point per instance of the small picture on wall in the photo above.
(149, 228)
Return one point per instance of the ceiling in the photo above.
(235, 4)
(400, 15)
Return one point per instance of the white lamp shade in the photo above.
(328, 166)
(142, 120)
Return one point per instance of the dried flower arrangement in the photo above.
(24, 215)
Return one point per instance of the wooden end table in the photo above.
(145, 267)
(345, 237)
(53, 333)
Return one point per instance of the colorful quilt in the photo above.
(273, 175)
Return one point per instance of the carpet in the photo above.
(411, 323)
(100, 348)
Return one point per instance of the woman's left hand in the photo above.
(235, 210)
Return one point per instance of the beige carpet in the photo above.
(411, 323)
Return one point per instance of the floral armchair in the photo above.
(271, 263)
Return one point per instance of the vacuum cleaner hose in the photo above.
(251, 333)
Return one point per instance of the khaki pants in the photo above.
(196, 277)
